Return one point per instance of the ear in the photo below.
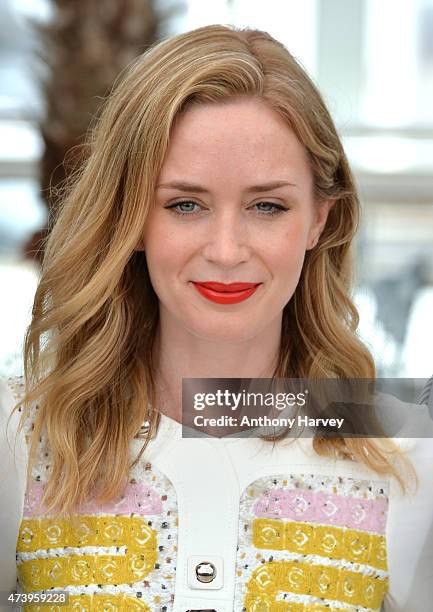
(320, 217)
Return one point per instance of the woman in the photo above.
(207, 236)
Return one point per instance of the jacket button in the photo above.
(205, 571)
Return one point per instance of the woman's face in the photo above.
(234, 204)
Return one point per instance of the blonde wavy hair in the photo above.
(89, 358)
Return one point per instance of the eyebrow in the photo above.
(193, 188)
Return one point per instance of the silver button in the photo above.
(205, 571)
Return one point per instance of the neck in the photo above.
(181, 354)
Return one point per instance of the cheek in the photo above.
(291, 244)
(166, 252)
(160, 242)
(287, 256)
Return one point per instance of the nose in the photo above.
(226, 240)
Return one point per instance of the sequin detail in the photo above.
(80, 570)
(132, 532)
(116, 556)
(93, 603)
(136, 498)
(324, 540)
(321, 581)
(298, 548)
(320, 507)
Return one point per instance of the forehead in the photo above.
(242, 137)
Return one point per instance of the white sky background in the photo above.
(391, 50)
(292, 22)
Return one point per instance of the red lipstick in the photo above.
(221, 293)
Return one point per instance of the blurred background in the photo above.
(372, 60)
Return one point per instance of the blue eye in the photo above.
(175, 209)
(271, 208)
(276, 209)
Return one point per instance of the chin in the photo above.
(224, 331)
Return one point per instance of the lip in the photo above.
(222, 293)
(226, 288)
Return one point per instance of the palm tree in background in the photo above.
(84, 47)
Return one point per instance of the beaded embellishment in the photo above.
(116, 556)
(312, 543)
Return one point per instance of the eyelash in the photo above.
(278, 209)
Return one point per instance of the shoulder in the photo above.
(410, 425)
(13, 444)
(16, 423)
(12, 391)
(410, 524)
(13, 476)
(9, 397)
(8, 392)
